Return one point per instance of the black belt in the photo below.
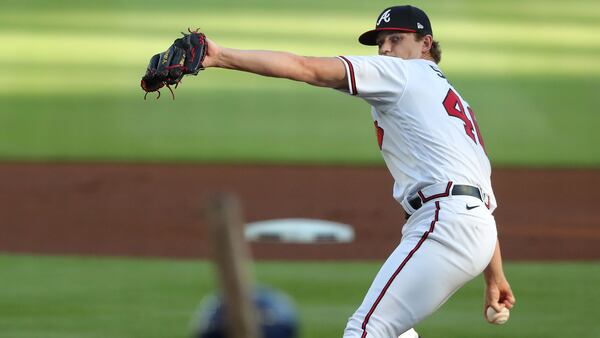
(465, 190)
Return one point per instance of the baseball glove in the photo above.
(184, 57)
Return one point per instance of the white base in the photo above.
(299, 230)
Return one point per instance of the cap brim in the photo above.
(370, 38)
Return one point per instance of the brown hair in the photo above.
(435, 51)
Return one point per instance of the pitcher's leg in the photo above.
(412, 284)
(417, 278)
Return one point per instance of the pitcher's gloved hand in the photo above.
(184, 57)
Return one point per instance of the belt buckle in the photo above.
(485, 198)
(481, 194)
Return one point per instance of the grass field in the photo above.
(72, 297)
(70, 81)
(69, 91)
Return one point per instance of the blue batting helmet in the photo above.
(276, 314)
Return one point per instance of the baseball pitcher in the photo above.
(432, 146)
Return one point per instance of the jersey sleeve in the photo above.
(377, 79)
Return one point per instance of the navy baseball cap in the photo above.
(398, 18)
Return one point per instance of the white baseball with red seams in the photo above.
(497, 318)
(430, 142)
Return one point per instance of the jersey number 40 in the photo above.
(454, 107)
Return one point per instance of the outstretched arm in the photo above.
(317, 71)
(498, 292)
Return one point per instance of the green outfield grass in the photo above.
(70, 74)
(61, 297)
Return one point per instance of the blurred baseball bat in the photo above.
(233, 260)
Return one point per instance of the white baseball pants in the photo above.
(444, 245)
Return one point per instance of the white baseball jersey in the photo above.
(427, 133)
(428, 137)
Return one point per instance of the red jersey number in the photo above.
(455, 108)
(380, 133)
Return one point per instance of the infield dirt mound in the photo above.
(155, 210)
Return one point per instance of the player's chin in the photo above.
(395, 55)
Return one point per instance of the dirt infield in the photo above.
(155, 210)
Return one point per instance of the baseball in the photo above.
(497, 318)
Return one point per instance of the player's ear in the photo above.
(427, 43)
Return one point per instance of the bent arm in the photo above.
(498, 291)
(318, 71)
